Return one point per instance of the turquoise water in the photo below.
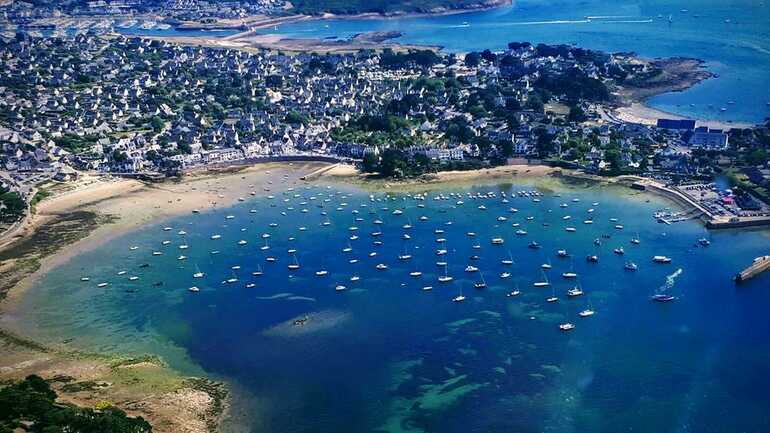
(738, 50)
(386, 355)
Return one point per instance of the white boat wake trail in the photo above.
(671, 279)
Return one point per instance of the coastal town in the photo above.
(355, 215)
(149, 108)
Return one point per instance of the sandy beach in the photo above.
(105, 208)
(640, 113)
(96, 210)
(350, 175)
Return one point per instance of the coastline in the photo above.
(126, 205)
(640, 112)
(679, 74)
(83, 219)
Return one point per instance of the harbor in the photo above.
(292, 275)
(760, 265)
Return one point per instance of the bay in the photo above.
(386, 355)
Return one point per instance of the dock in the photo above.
(759, 265)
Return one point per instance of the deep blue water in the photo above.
(386, 355)
(738, 50)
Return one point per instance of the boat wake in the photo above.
(671, 280)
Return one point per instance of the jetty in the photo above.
(759, 265)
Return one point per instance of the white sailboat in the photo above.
(481, 284)
(515, 292)
(460, 297)
(295, 264)
(543, 283)
(445, 278)
(509, 260)
(553, 297)
(588, 312)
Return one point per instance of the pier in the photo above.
(759, 265)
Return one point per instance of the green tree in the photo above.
(12, 207)
(757, 157)
(32, 402)
(472, 59)
(157, 124)
(370, 163)
(576, 114)
(393, 163)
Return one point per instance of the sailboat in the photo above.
(232, 279)
(575, 292)
(405, 255)
(546, 265)
(553, 297)
(588, 312)
(482, 283)
(635, 240)
(258, 272)
(445, 278)
(198, 273)
(508, 261)
(408, 225)
(515, 292)
(460, 297)
(543, 283)
(295, 264)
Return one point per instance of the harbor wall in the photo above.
(677, 197)
(761, 222)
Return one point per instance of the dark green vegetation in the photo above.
(12, 206)
(398, 164)
(30, 405)
(378, 6)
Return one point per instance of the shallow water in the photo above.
(738, 50)
(386, 355)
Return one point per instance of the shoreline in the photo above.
(640, 112)
(680, 73)
(86, 218)
(129, 204)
